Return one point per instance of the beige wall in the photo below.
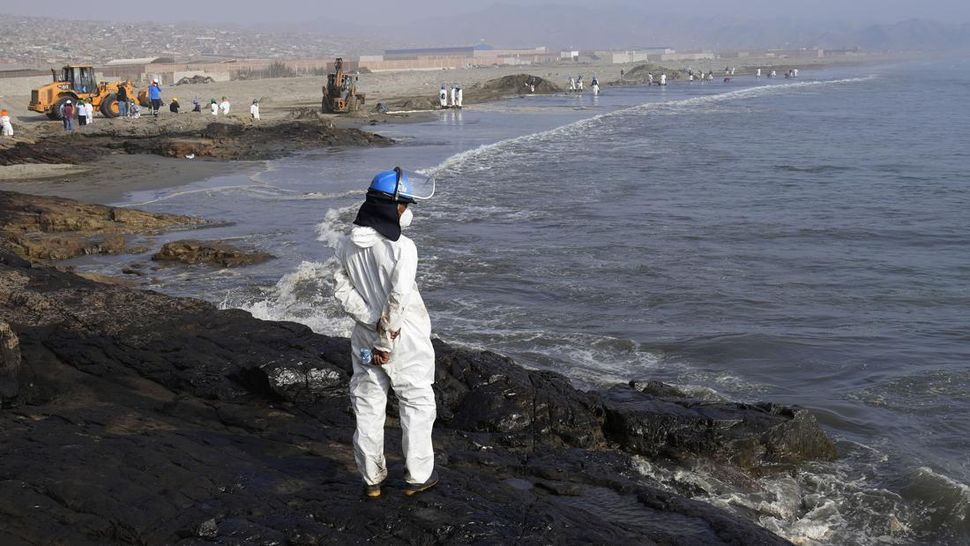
(21, 86)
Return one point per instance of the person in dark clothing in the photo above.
(122, 98)
(174, 105)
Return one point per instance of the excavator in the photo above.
(77, 82)
(340, 95)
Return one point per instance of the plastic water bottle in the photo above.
(365, 356)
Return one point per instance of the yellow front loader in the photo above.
(75, 83)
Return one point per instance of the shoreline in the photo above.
(90, 178)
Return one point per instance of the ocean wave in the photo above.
(489, 152)
(254, 189)
(822, 503)
(813, 169)
(943, 501)
(335, 224)
(304, 295)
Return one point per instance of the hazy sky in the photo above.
(389, 11)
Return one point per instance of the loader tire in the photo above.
(56, 112)
(109, 106)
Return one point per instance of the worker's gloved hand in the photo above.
(381, 331)
(380, 357)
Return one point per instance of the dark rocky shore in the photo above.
(137, 418)
(188, 135)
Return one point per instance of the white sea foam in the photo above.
(323, 196)
(255, 189)
(260, 177)
(334, 225)
(822, 503)
(304, 296)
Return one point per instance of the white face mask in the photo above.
(406, 218)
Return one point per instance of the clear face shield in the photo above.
(413, 184)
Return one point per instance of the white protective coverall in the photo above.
(376, 281)
(458, 97)
(7, 128)
(443, 97)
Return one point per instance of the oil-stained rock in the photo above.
(755, 437)
(160, 420)
(218, 253)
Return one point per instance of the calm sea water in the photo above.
(803, 242)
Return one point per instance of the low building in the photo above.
(638, 55)
(445, 58)
(685, 56)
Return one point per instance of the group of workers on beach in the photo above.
(577, 85)
(456, 96)
(75, 114)
(790, 74)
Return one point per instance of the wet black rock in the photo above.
(9, 364)
(660, 421)
(481, 391)
(142, 418)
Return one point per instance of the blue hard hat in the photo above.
(403, 186)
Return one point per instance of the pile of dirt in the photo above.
(411, 103)
(520, 83)
(195, 79)
(641, 73)
(306, 113)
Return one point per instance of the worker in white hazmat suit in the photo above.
(454, 95)
(391, 340)
(443, 96)
(6, 128)
(458, 97)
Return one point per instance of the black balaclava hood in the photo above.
(380, 212)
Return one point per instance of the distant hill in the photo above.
(915, 34)
(601, 27)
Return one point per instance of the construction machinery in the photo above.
(340, 95)
(77, 82)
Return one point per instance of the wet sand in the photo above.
(107, 180)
